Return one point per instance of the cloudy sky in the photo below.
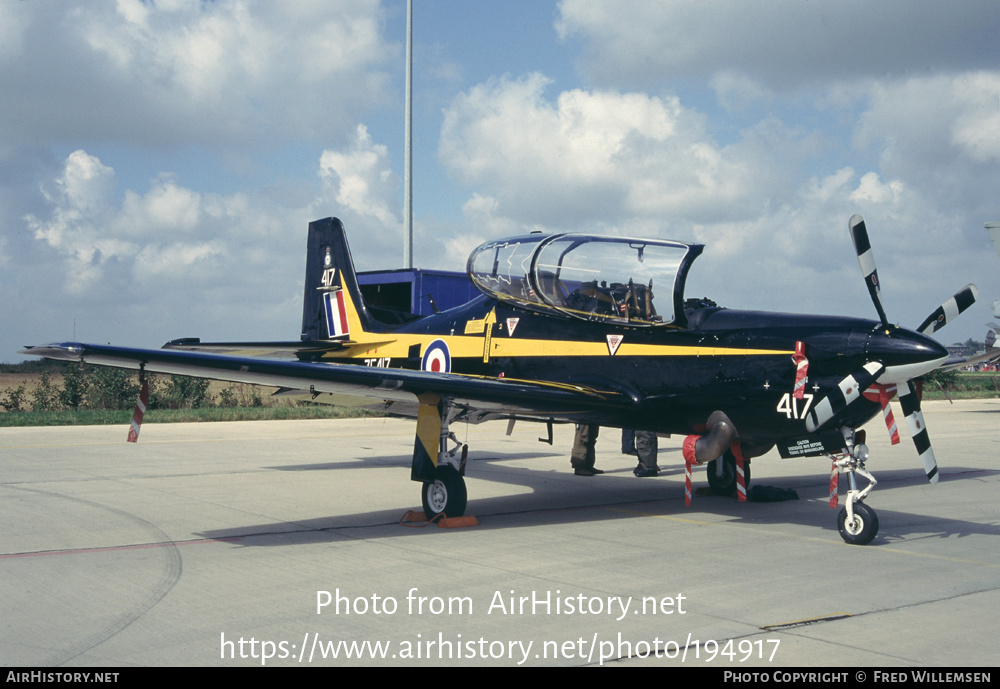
(160, 160)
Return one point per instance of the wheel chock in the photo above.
(416, 520)
(457, 522)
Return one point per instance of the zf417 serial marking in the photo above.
(794, 408)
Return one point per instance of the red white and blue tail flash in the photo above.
(336, 314)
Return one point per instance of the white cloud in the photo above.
(92, 233)
(166, 206)
(175, 73)
(593, 155)
(361, 179)
(872, 190)
(168, 262)
(86, 182)
(172, 246)
(784, 44)
(634, 164)
(976, 129)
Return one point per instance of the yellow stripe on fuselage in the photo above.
(397, 345)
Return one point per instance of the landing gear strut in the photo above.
(857, 522)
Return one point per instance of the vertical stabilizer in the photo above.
(332, 307)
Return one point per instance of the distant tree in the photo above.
(183, 392)
(112, 388)
(46, 395)
(241, 395)
(14, 399)
(76, 383)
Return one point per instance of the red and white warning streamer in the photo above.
(883, 394)
(741, 481)
(834, 485)
(140, 410)
(801, 370)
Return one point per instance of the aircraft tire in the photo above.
(864, 527)
(726, 484)
(446, 493)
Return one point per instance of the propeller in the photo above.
(949, 310)
(866, 257)
(910, 401)
(908, 397)
(848, 390)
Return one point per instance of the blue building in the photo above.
(393, 294)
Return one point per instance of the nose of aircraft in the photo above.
(904, 353)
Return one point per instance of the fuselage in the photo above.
(739, 362)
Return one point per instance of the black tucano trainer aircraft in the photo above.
(586, 329)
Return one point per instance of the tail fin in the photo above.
(332, 306)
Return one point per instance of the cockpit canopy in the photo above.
(614, 279)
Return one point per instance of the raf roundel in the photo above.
(437, 358)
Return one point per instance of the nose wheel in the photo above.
(860, 527)
(857, 522)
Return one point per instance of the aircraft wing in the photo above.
(497, 395)
(959, 362)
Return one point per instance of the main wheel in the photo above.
(862, 530)
(445, 494)
(725, 484)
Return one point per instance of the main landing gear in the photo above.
(443, 490)
(857, 522)
(722, 477)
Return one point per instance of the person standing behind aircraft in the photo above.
(582, 457)
(646, 446)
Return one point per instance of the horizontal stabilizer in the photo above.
(300, 349)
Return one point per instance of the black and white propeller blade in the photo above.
(949, 310)
(910, 401)
(846, 392)
(866, 257)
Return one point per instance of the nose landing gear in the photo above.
(857, 522)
